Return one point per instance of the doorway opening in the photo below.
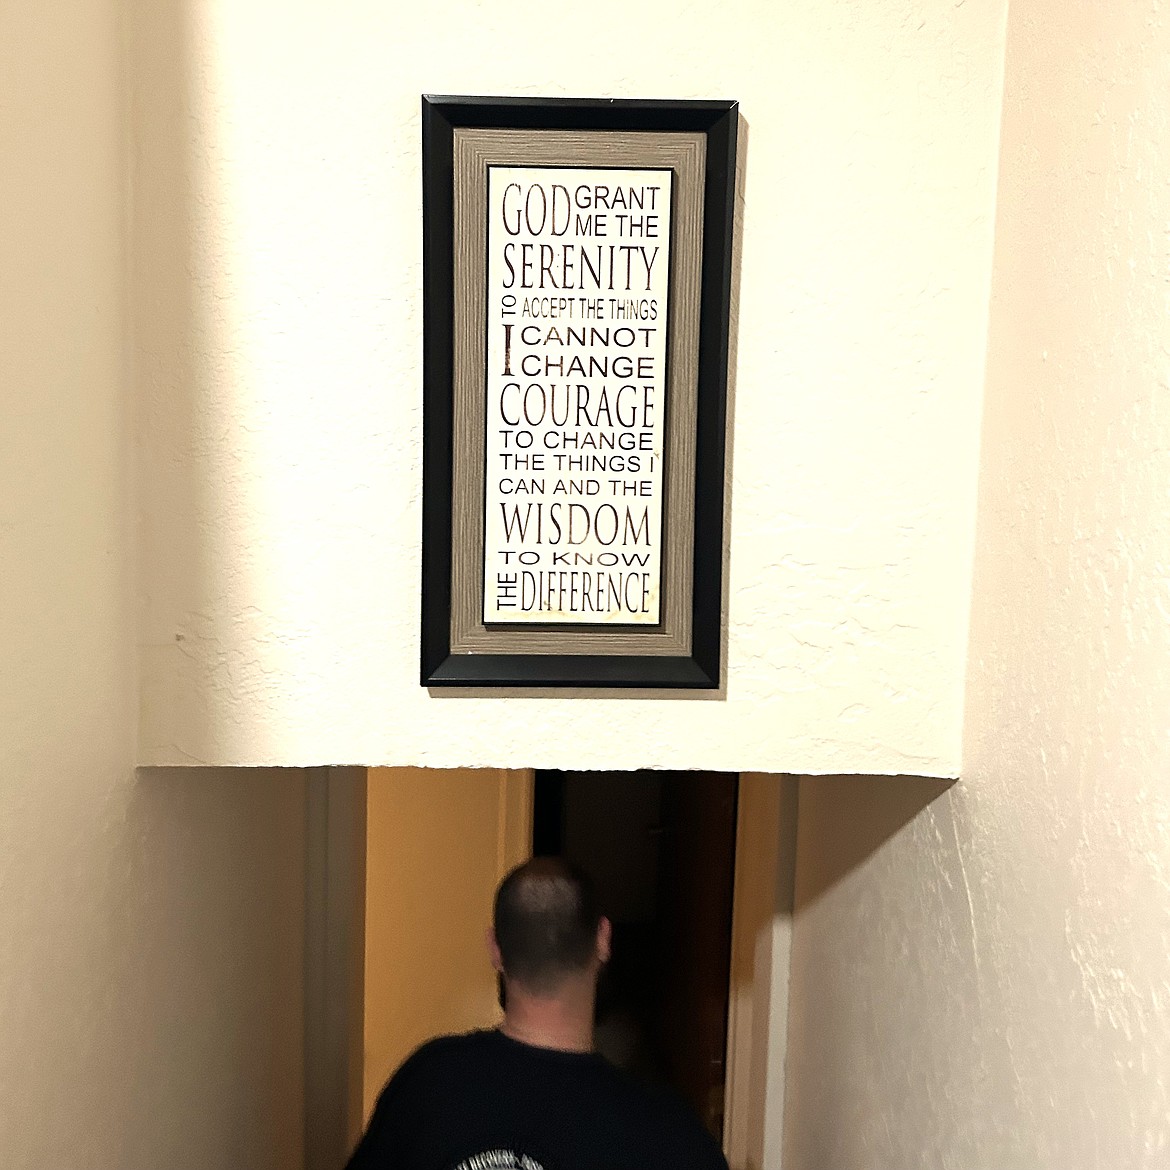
(660, 847)
(402, 867)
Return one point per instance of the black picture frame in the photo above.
(702, 667)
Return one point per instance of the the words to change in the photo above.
(578, 275)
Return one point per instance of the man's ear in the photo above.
(493, 949)
(604, 941)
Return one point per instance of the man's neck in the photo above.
(563, 1021)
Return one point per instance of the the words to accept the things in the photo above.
(577, 283)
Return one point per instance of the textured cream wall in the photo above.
(277, 262)
(150, 928)
(989, 987)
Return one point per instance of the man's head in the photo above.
(547, 929)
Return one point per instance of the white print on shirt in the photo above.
(499, 1160)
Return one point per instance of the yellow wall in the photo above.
(438, 843)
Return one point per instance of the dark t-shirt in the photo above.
(486, 1102)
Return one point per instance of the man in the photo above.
(533, 1095)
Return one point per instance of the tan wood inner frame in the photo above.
(474, 151)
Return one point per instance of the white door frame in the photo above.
(761, 945)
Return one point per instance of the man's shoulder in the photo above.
(449, 1049)
(456, 1042)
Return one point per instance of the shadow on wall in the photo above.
(737, 211)
(209, 932)
(858, 815)
(176, 514)
(797, 840)
(886, 986)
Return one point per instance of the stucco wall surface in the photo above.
(277, 275)
(150, 927)
(980, 978)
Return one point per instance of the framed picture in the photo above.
(577, 272)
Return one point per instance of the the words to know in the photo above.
(578, 276)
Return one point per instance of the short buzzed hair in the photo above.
(546, 919)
